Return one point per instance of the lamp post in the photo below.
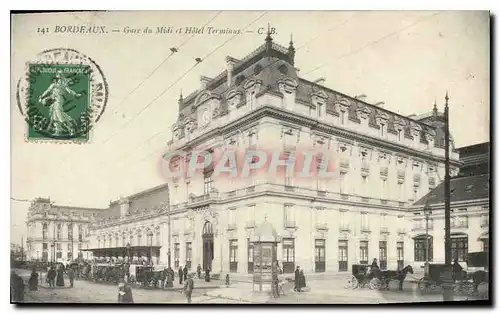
(447, 272)
(169, 238)
(150, 237)
(37, 252)
(427, 213)
(53, 257)
(128, 253)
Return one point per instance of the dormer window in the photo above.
(400, 132)
(382, 129)
(342, 116)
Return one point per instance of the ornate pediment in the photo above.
(234, 98)
(381, 117)
(287, 85)
(399, 124)
(363, 112)
(253, 84)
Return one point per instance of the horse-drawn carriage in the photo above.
(464, 281)
(376, 279)
(112, 273)
(148, 275)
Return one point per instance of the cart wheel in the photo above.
(375, 284)
(352, 283)
(424, 286)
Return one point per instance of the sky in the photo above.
(406, 59)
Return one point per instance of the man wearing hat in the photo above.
(188, 287)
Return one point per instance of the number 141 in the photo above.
(42, 30)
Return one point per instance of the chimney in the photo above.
(361, 97)
(204, 80)
(320, 81)
(230, 62)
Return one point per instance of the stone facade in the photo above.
(57, 232)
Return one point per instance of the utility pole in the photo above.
(22, 249)
(169, 238)
(447, 272)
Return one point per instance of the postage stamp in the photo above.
(62, 94)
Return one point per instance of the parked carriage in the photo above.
(361, 276)
(138, 274)
(111, 273)
(434, 280)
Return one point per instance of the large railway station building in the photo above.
(387, 166)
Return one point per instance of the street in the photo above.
(327, 291)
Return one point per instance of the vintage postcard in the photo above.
(337, 157)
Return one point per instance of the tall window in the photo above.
(189, 253)
(250, 256)
(484, 220)
(124, 240)
(364, 186)
(289, 217)
(208, 183)
(319, 256)
(177, 251)
(415, 193)
(382, 245)
(139, 238)
(158, 237)
(342, 116)
(382, 129)
(70, 231)
(117, 244)
(421, 248)
(383, 189)
(400, 252)
(401, 191)
(320, 110)
(459, 248)
(399, 135)
(288, 255)
(80, 233)
(485, 245)
(365, 224)
(59, 231)
(342, 182)
(343, 255)
(233, 256)
(363, 252)
(44, 231)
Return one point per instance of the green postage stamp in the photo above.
(62, 95)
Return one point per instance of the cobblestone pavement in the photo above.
(90, 292)
(331, 291)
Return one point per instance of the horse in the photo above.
(478, 278)
(387, 275)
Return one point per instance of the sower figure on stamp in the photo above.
(54, 96)
(188, 287)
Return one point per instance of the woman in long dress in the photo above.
(60, 277)
(33, 281)
(54, 96)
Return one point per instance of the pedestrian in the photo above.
(297, 274)
(188, 287)
(71, 276)
(302, 280)
(60, 277)
(125, 293)
(207, 275)
(185, 272)
(16, 287)
(181, 275)
(51, 276)
(33, 281)
(198, 271)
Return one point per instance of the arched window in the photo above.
(109, 240)
(124, 240)
(44, 231)
(158, 236)
(116, 241)
(208, 229)
(139, 237)
(98, 242)
(420, 248)
(131, 239)
(70, 231)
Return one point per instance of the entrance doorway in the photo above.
(208, 245)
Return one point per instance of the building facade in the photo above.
(385, 167)
(56, 232)
(470, 206)
(384, 162)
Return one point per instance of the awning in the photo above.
(124, 251)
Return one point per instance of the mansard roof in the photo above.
(270, 63)
(461, 189)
